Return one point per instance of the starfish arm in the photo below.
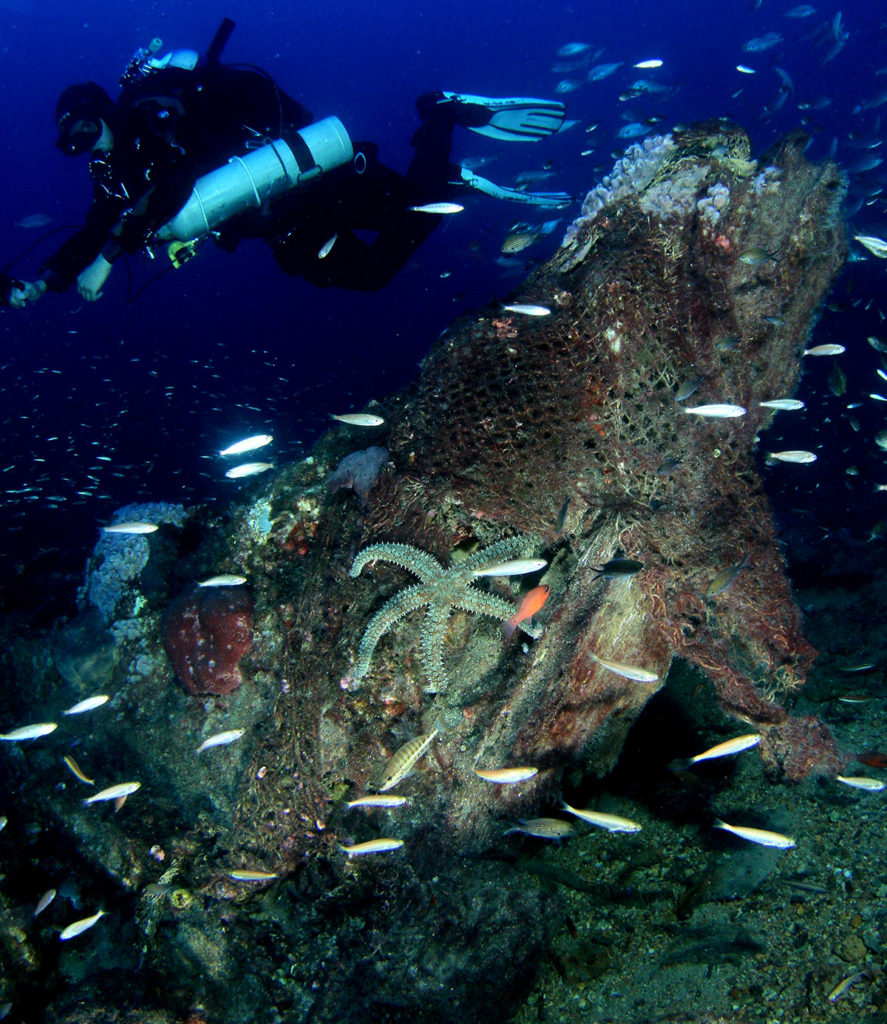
(509, 547)
(481, 603)
(434, 631)
(391, 612)
(414, 560)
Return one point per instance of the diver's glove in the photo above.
(23, 292)
(91, 280)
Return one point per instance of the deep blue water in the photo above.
(228, 346)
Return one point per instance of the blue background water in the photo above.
(228, 346)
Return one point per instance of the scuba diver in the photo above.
(193, 149)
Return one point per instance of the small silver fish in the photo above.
(727, 343)
(372, 846)
(716, 411)
(542, 828)
(251, 875)
(378, 800)
(654, 62)
(122, 789)
(862, 782)
(527, 309)
(688, 387)
(876, 246)
(439, 208)
(782, 404)
(248, 469)
(725, 578)
(34, 220)
(90, 704)
(403, 760)
(224, 579)
(634, 672)
(221, 739)
(796, 456)
(824, 350)
(327, 247)
(132, 528)
(79, 927)
(857, 666)
(844, 986)
(77, 770)
(573, 49)
(517, 567)
(601, 71)
(728, 747)
(506, 776)
(248, 444)
(758, 835)
(44, 901)
(756, 257)
(358, 419)
(29, 732)
(611, 822)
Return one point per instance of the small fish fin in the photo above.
(679, 765)
(508, 630)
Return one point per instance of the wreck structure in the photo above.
(559, 426)
(568, 430)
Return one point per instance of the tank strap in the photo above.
(301, 152)
(219, 40)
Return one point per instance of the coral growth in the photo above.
(118, 559)
(206, 633)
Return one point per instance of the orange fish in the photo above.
(874, 758)
(531, 603)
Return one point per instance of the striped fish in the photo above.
(402, 763)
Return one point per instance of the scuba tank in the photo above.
(251, 181)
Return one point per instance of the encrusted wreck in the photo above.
(569, 434)
(567, 430)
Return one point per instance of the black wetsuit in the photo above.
(176, 125)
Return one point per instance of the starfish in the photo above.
(441, 590)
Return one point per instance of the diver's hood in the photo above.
(78, 115)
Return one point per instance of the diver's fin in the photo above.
(512, 119)
(548, 200)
